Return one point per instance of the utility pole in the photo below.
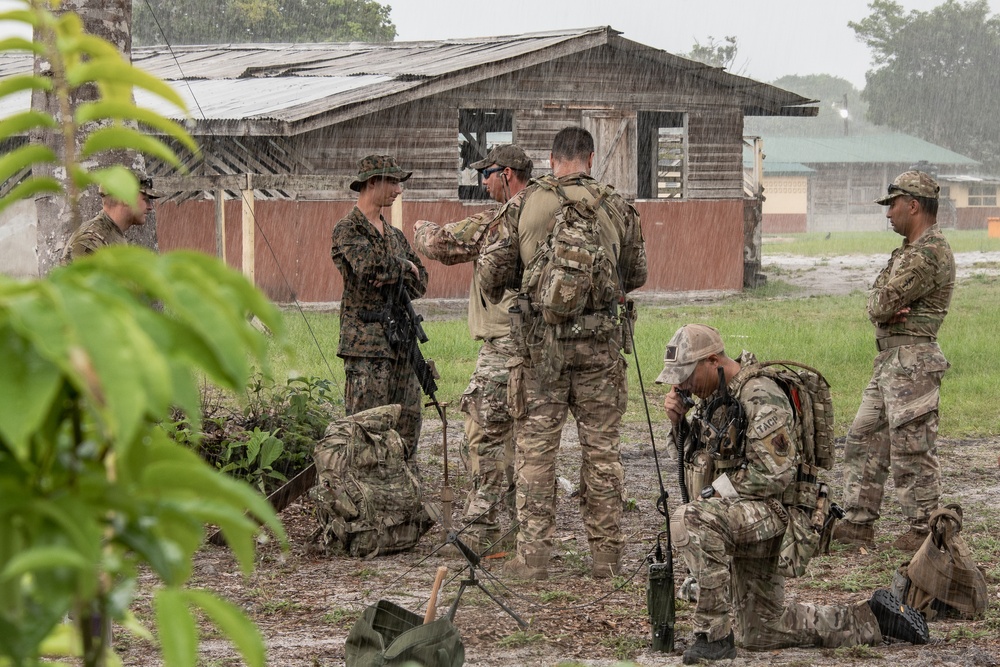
(112, 21)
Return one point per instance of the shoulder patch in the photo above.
(768, 422)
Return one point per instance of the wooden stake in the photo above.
(432, 603)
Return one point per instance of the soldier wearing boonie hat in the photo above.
(372, 166)
(689, 345)
(108, 227)
(897, 422)
(375, 260)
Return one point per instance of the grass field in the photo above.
(831, 334)
(866, 243)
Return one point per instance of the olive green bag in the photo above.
(387, 635)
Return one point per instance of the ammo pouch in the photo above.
(701, 469)
(942, 578)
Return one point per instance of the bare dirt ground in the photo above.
(305, 603)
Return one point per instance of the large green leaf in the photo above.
(125, 138)
(108, 70)
(43, 558)
(20, 123)
(177, 629)
(93, 111)
(14, 84)
(29, 386)
(234, 624)
(19, 43)
(27, 189)
(24, 157)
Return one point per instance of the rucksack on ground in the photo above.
(571, 272)
(368, 501)
(942, 579)
(387, 635)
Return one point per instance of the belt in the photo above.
(902, 339)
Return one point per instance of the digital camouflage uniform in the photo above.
(98, 232)
(897, 422)
(375, 373)
(489, 427)
(589, 375)
(731, 546)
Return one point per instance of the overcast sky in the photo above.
(775, 37)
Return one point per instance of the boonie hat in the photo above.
(912, 183)
(145, 185)
(691, 344)
(378, 165)
(507, 155)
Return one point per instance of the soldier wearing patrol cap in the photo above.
(744, 433)
(373, 257)
(109, 226)
(896, 425)
(489, 427)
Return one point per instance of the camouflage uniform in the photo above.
(489, 427)
(98, 232)
(897, 421)
(731, 545)
(375, 373)
(590, 375)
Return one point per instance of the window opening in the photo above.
(479, 131)
(662, 159)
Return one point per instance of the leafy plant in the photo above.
(96, 356)
(253, 460)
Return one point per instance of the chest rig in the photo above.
(713, 442)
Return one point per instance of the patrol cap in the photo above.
(371, 166)
(912, 183)
(507, 155)
(145, 185)
(691, 344)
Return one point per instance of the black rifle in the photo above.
(404, 332)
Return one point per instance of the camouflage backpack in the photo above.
(571, 272)
(368, 501)
(805, 502)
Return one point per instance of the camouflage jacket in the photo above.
(528, 222)
(458, 242)
(363, 256)
(771, 451)
(920, 276)
(98, 232)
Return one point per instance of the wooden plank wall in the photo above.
(715, 154)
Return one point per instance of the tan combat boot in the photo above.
(606, 564)
(912, 539)
(858, 534)
(518, 568)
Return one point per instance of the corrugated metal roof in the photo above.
(285, 88)
(875, 149)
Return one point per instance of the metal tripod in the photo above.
(472, 558)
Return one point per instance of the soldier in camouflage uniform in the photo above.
(580, 367)
(108, 227)
(897, 422)
(730, 534)
(373, 257)
(489, 428)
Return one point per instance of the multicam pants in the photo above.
(896, 425)
(594, 385)
(372, 382)
(489, 432)
(731, 549)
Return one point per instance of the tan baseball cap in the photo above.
(913, 183)
(506, 155)
(691, 344)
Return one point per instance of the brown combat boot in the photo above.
(912, 539)
(518, 568)
(858, 534)
(606, 564)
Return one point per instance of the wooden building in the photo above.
(282, 127)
